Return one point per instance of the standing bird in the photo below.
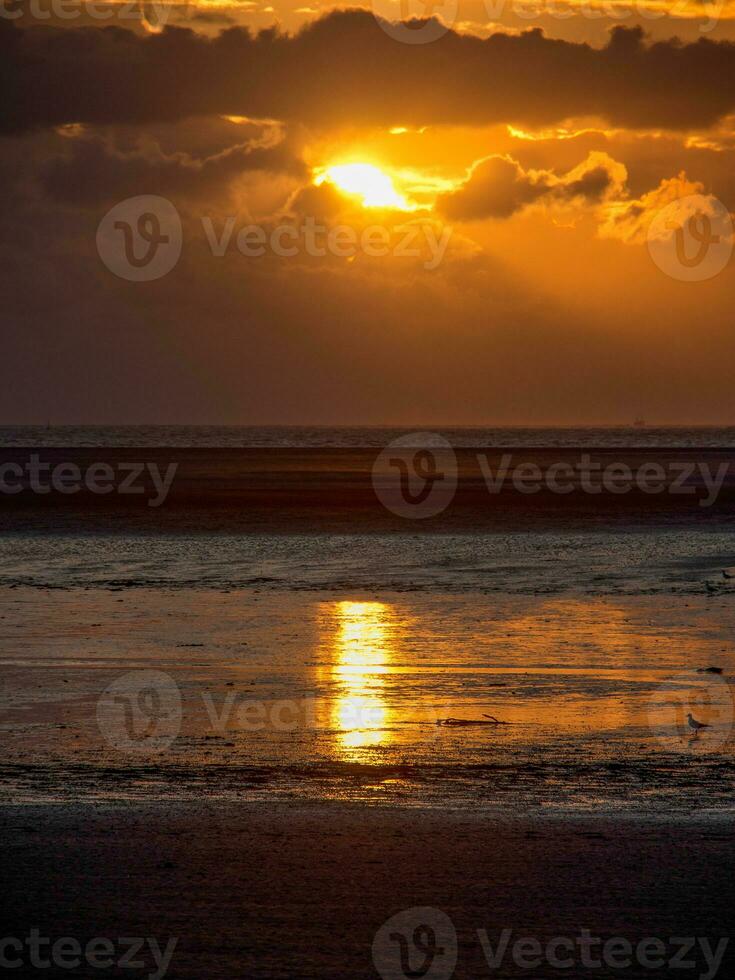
(695, 725)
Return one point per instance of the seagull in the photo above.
(695, 725)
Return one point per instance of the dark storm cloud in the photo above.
(93, 170)
(591, 186)
(344, 68)
(322, 202)
(497, 187)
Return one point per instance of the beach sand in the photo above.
(300, 891)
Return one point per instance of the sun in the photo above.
(366, 181)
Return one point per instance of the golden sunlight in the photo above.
(361, 647)
(366, 181)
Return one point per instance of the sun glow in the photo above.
(360, 647)
(366, 181)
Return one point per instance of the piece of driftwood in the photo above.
(463, 722)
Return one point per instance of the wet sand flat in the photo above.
(141, 693)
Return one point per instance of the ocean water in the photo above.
(586, 645)
(640, 561)
(225, 436)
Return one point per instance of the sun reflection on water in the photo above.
(360, 648)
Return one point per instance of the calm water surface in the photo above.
(319, 665)
(356, 436)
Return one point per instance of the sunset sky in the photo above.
(522, 151)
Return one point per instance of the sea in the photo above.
(587, 648)
(233, 436)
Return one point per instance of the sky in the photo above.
(486, 213)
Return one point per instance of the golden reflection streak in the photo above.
(360, 644)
